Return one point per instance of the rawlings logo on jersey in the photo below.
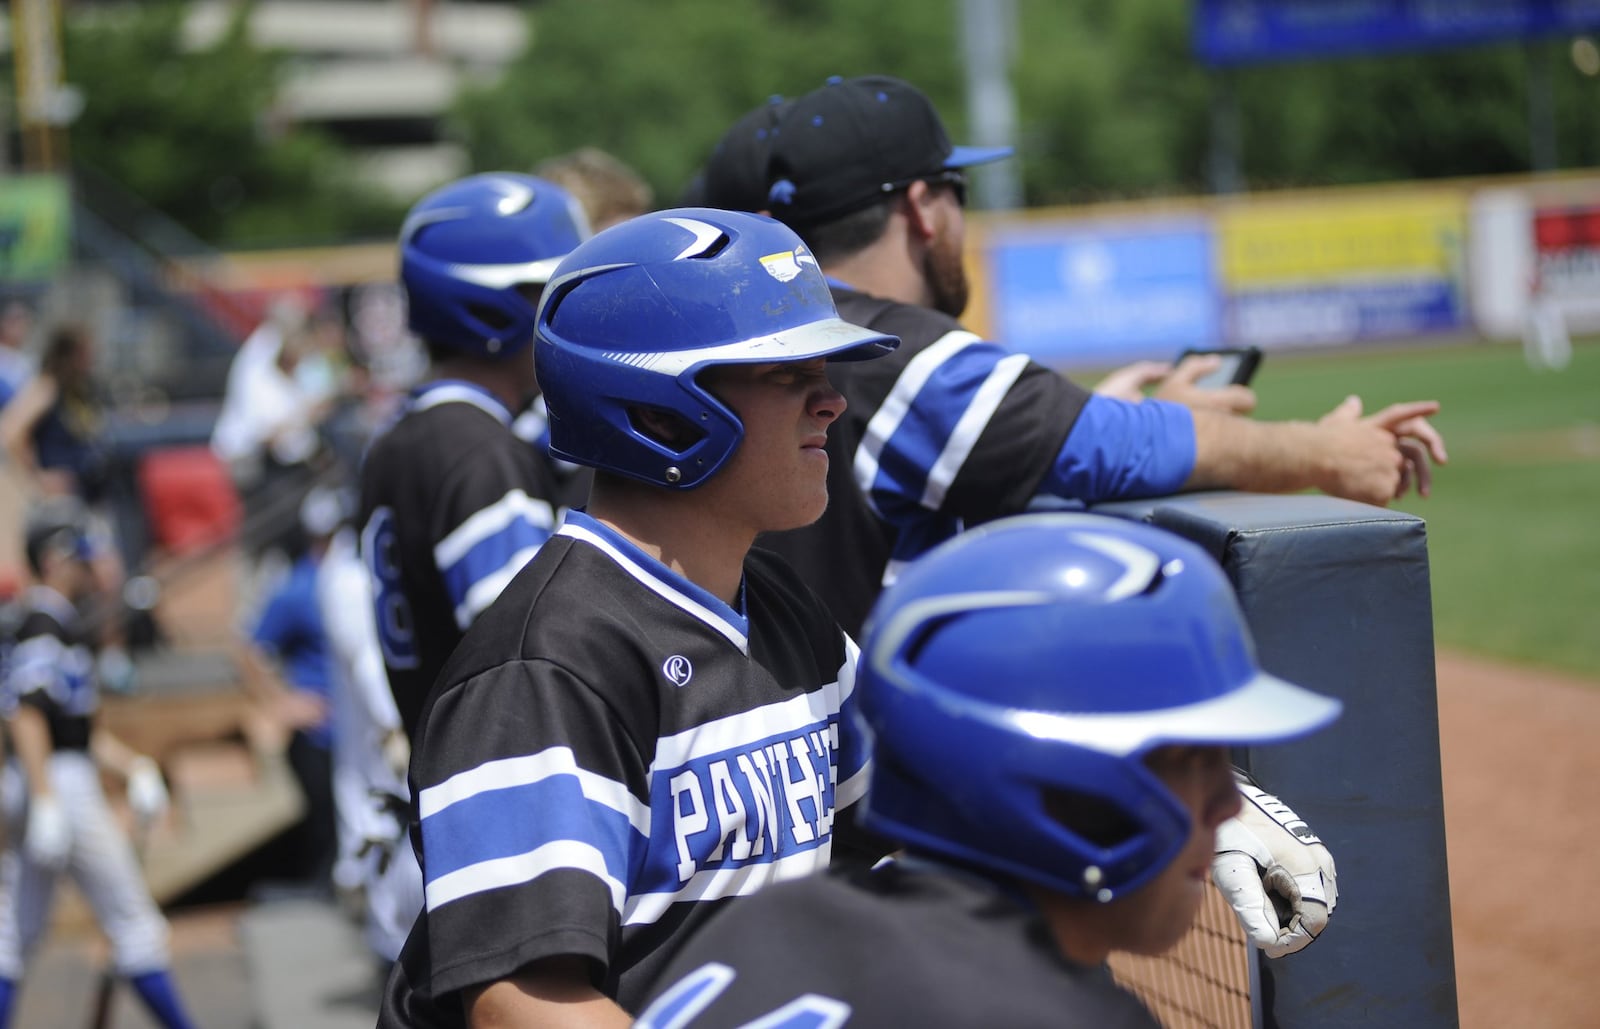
(677, 669)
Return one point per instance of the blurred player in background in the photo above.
(646, 724)
(953, 430)
(376, 868)
(56, 814)
(609, 190)
(285, 665)
(1057, 799)
(735, 175)
(453, 503)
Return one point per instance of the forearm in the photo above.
(111, 754)
(1262, 457)
(30, 734)
(552, 994)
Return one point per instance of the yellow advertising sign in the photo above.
(35, 227)
(1404, 235)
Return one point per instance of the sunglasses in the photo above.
(952, 177)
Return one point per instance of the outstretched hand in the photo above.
(1378, 457)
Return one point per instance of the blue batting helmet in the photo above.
(470, 248)
(633, 315)
(1047, 655)
(57, 524)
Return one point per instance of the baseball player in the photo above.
(369, 755)
(57, 817)
(1057, 796)
(453, 503)
(646, 723)
(954, 430)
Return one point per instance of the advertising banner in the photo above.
(35, 227)
(1228, 32)
(1096, 293)
(1343, 269)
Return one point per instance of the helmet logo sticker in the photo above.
(785, 265)
(677, 669)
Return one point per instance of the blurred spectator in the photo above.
(608, 189)
(281, 388)
(53, 428)
(16, 328)
(285, 666)
(54, 432)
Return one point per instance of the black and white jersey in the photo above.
(951, 430)
(612, 754)
(51, 669)
(898, 946)
(946, 431)
(453, 504)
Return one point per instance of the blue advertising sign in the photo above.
(1343, 312)
(1229, 32)
(1091, 293)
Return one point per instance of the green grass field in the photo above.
(1514, 519)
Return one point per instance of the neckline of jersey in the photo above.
(701, 601)
(446, 391)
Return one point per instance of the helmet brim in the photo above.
(967, 156)
(833, 338)
(1264, 710)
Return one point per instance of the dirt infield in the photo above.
(1521, 761)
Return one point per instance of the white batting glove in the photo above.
(1276, 873)
(147, 794)
(48, 838)
(397, 752)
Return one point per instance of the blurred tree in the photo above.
(193, 133)
(657, 84)
(1112, 102)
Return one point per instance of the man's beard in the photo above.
(947, 276)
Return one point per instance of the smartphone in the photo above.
(1238, 366)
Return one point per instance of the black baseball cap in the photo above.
(846, 145)
(736, 172)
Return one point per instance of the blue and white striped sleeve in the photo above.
(920, 439)
(1118, 449)
(487, 549)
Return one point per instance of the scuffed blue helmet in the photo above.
(469, 248)
(1047, 655)
(633, 315)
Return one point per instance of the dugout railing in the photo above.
(1337, 595)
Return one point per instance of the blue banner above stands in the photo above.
(1231, 32)
(1100, 293)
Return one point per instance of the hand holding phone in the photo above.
(1237, 369)
(1215, 386)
